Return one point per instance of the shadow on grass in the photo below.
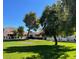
(45, 51)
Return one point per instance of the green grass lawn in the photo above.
(38, 49)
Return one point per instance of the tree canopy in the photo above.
(20, 31)
(71, 23)
(30, 20)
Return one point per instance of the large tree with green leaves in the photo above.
(50, 22)
(71, 23)
(54, 20)
(20, 31)
(30, 21)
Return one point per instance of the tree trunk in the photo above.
(55, 39)
(28, 33)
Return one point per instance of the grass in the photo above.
(38, 49)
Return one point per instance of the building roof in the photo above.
(8, 31)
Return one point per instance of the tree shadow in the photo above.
(45, 51)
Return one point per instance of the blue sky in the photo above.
(15, 10)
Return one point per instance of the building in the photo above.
(9, 35)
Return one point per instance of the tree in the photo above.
(50, 22)
(20, 31)
(71, 23)
(54, 20)
(15, 33)
(30, 21)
